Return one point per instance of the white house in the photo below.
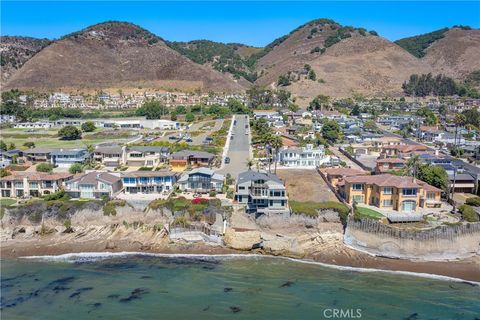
(303, 157)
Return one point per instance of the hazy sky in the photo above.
(253, 23)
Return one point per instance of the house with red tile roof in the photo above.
(31, 184)
(386, 191)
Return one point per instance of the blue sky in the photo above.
(253, 23)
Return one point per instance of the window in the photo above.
(409, 192)
(387, 190)
(241, 188)
(357, 186)
(358, 199)
(388, 203)
(431, 195)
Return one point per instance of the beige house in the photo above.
(31, 184)
(390, 192)
(336, 175)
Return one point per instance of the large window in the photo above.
(388, 203)
(387, 190)
(431, 195)
(409, 192)
(358, 199)
(357, 186)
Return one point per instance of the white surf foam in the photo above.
(96, 256)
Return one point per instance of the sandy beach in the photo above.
(468, 269)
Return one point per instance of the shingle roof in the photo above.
(109, 150)
(137, 174)
(255, 175)
(94, 176)
(149, 149)
(40, 150)
(191, 153)
(68, 151)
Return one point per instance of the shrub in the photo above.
(212, 194)
(88, 126)
(59, 195)
(468, 213)
(44, 167)
(75, 168)
(230, 194)
(473, 201)
(69, 133)
(310, 208)
(199, 201)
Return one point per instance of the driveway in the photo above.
(239, 148)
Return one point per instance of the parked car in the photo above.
(188, 140)
(172, 138)
(227, 160)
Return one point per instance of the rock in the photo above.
(245, 240)
(110, 245)
(145, 247)
(283, 246)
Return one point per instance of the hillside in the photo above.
(344, 59)
(229, 58)
(456, 54)
(116, 54)
(15, 51)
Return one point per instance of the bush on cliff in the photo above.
(468, 213)
(310, 208)
(473, 201)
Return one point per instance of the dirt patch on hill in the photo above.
(306, 185)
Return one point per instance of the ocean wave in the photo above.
(97, 256)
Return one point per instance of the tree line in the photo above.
(440, 85)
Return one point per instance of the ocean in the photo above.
(149, 286)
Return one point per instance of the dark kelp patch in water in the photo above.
(79, 291)
(135, 294)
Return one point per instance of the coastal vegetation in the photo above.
(310, 208)
(418, 45)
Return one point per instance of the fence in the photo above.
(440, 243)
(443, 232)
(205, 229)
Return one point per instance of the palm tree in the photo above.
(277, 143)
(459, 121)
(412, 165)
(250, 164)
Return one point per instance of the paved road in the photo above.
(239, 150)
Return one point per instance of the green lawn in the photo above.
(369, 213)
(5, 202)
(48, 138)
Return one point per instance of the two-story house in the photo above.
(94, 185)
(37, 155)
(303, 157)
(145, 156)
(22, 184)
(9, 157)
(261, 193)
(64, 158)
(148, 181)
(179, 161)
(111, 156)
(201, 180)
(386, 191)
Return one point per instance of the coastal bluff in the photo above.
(440, 243)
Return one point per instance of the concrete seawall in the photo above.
(441, 243)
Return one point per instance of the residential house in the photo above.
(336, 175)
(148, 181)
(94, 185)
(22, 184)
(188, 158)
(389, 164)
(261, 193)
(111, 156)
(389, 192)
(303, 157)
(201, 180)
(64, 158)
(37, 155)
(145, 156)
(8, 157)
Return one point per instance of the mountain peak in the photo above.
(116, 31)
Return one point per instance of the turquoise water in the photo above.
(160, 287)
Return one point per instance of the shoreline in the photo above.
(459, 270)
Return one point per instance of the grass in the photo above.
(310, 208)
(49, 138)
(5, 202)
(368, 213)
